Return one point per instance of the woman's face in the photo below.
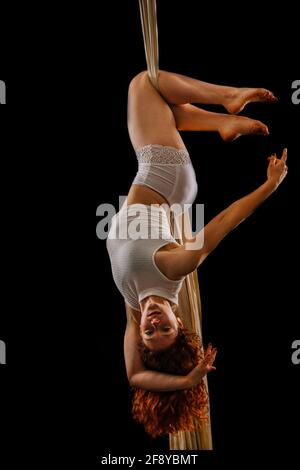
(159, 325)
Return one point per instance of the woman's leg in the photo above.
(192, 118)
(179, 89)
(152, 121)
(150, 118)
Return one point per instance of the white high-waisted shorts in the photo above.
(168, 171)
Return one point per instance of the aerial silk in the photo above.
(189, 296)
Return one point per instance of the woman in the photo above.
(163, 360)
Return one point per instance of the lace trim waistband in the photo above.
(162, 154)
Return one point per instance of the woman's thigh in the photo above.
(150, 119)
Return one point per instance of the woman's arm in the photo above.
(181, 261)
(137, 374)
(140, 377)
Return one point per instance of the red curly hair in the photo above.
(180, 410)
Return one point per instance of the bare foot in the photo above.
(242, 96)
(233, 127)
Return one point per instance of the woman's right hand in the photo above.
(277, 169)
(203, 367)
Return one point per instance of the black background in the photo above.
(65, 375)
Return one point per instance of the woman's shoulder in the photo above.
(169, 247)
(166, 258)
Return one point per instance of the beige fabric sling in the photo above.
(190, 312)
(150, 34)
(189, 296)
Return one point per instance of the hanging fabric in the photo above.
(189, 296)
(150, 34)
(190, 312)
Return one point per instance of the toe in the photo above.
(268, 95)
(260, 128)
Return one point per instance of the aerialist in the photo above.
(164, 362)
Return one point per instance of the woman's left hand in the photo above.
(203, 367)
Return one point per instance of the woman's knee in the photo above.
(139, 79)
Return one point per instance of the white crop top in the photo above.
(136, 233)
